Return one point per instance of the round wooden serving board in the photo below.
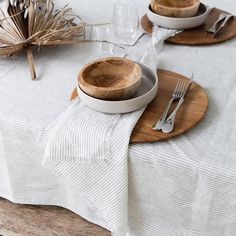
(198, 35)
(191, 112)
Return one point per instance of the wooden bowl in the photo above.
(111, 78)
(175, 8)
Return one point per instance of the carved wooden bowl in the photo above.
(175, 8)
(111, 78)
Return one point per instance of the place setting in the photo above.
(118, 85)
(195, 22)
(173, 105)
(140, 88)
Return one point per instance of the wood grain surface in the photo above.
(27, 220)
(192, 111)
(198, 35)
(110, 78)
(173, 8)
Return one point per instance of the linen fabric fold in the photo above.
(88, 151)
(159, 35)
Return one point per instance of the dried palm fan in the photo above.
(28, 23)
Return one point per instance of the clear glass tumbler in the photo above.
(102, 33)
(125, 22)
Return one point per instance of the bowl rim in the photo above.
(196, 2)
(180, 18)
(80, 76)
(155, 87)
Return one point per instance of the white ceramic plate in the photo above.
(144, 95)
(180, 23)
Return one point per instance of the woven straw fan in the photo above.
(28, 23)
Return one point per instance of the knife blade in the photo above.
(189, 85)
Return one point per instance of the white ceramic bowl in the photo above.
(144, 95)
(180, 23)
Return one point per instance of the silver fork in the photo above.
(170, 122)
(177, 94)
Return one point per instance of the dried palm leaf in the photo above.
(27, 23)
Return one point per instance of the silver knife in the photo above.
(170, 122)
(227, 18)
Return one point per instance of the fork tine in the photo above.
(181, 88)
(177, 87)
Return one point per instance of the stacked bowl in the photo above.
(116, 85)
(178, 14)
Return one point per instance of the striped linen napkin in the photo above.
(88, 151)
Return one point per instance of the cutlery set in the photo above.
(167, 124)
(220, 24)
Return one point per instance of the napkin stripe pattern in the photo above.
(88, 151)
(95, 142)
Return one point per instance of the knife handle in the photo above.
(160, 123)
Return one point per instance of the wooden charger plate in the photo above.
(198, 35)
(191, 112)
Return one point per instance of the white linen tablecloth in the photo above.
(185, 186)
